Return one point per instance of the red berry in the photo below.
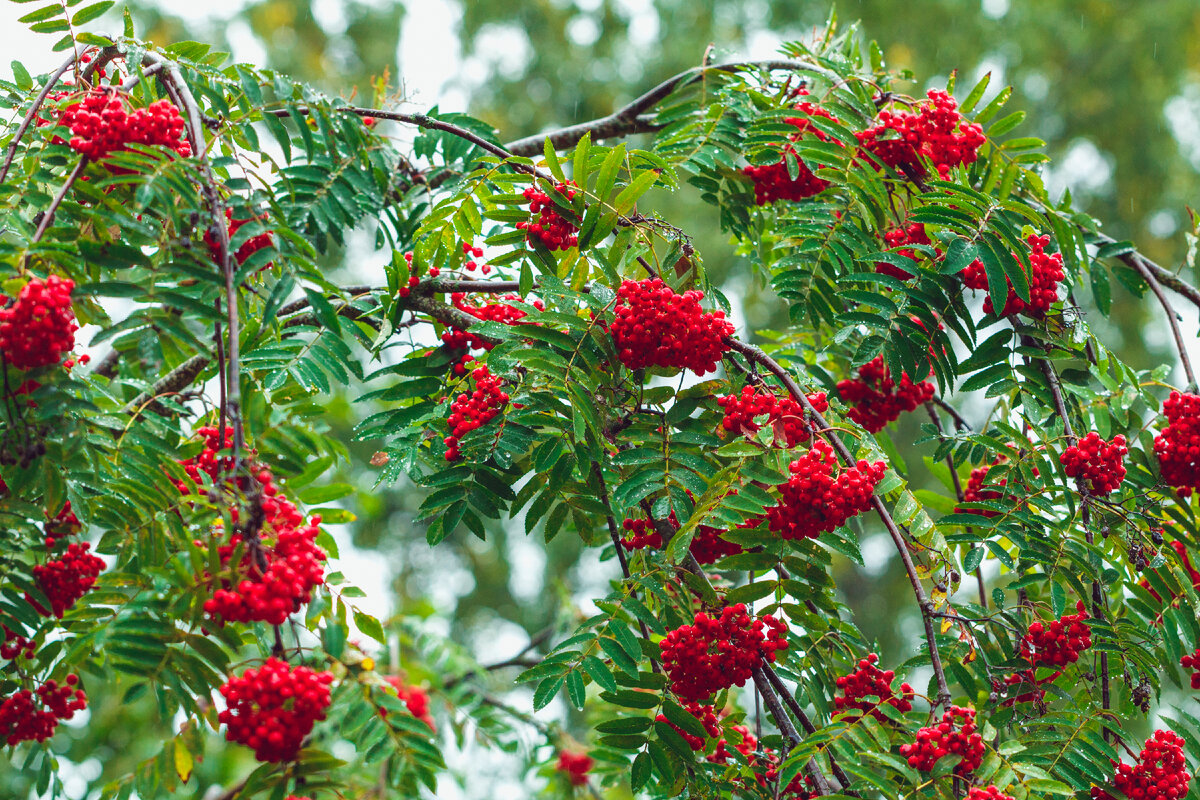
(549, 226)
(1043, 282)
(1058, 643)
(474, 410)
(575, 766)
(773, 181)
(1160, 773)
(875, 398)
(1178, 446)
(820, 495)
(870, 681)
(1100, 465)
(787, 416)
(936, 131)
(956, 735)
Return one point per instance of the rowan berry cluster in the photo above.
(986, 793)
(797, 788)
(32, 716)
(898, 238)
(870, 681)
(786, 416)
(248, 247)
(271, 709)
(15, 645)
(656, 327)
(456, 338)
(64, 523)
(1160, 773)
(1060, 642)
(575, 766)
(936, 131)
(66, 579)
(773, 181)
(955, 735)
(1188, 661)
(1178, 446)
(706, 715)
(101, 125)
(820, 495)
(875, 399)
(1099, 464)
(715, 653)
(471, 411)
(550, 227)
(281, 563)
(39, 326)
(414, 697)
(1043, 281)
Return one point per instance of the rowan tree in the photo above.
(543, 350)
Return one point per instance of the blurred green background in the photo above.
(1112, 86)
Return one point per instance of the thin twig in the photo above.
(958, 491)
(756, 355)
(48, 216)
(1172, 317)
(790, 701)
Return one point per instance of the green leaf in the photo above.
(972, 99)
(89, 13)
(370, 626)
(576, 690)
(608, 172)
(552, 160)
(22, 77)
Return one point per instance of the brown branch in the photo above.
(31, 114)
(1164, 275)
(757, 356)
(628, 119)
(48, 215)
(1172, 317)
(958, 491)
(174, 381)
(790, 701)
(790, 735)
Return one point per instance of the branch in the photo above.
(805, 722)
(757, 356)
(790, 735)
(958, 491)
(48, 215)
(174, 381)
(1164, 275)
(30, 115)
(1172, 317)
(628, 119)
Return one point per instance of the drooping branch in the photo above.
(790, 735)
(629, 120)
(48, 214)
(757, 356)
(1172, 317)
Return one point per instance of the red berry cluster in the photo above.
(415, 698)
(15, 645)
(273, 708)
(248, 248)
(456, 338)
(715, 653)
(936, 131)
(954, 735)
(64, 523)
(551, 228)
(875, 399)
(1178, 446)
(102, 125)
(899, 237)
(281, 566)
(1100, 464)
(820, 496)
(474, 410)
(786, 416)
(40, 325)
(32, 716)
(66, 579)
(750, 752)
(575, 766)
(772, 181)
(655, 327)
(1060, 642)
(706, 715)
(1160, 773)
(988, 793)
(1188, 661)
(869, 680)
(1043, 281)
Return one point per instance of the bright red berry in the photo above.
(474, 410)
(1043, 282)
(1178, 446)
(575, 766)
(715, 653)
(956, 734)
(820, 495)
(870, 681)
(656, 327)
(786, 416)
(39, 326)
(1159, 774)
(875, 399)
(1058, 643)
(550, 227)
